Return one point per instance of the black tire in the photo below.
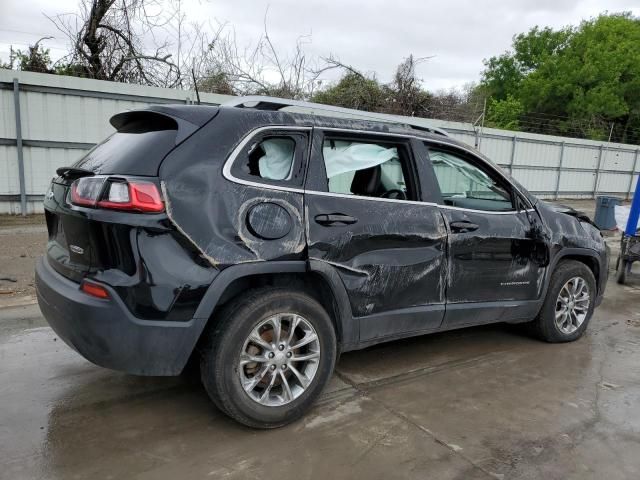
(220, 355)
(544, 326)
(622, 267)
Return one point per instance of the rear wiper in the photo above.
(72, 172)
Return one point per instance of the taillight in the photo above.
(115, 193)
(86, 191)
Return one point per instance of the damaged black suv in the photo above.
(263, 243)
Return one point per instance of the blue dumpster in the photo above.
(605, 212)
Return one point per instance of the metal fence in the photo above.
(48, 121)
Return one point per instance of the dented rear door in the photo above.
(390, 254)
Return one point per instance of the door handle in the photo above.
(329, 219)
(463, 227)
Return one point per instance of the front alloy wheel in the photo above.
(569, 303)
(572, 305)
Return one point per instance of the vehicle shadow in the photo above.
(124, 423)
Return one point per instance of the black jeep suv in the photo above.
(264, 243)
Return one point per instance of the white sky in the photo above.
(371, 35)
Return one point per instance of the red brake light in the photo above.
(94, 289)
(134, 195)
(85, 191)
(119, 194)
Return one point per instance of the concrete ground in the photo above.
(485, 402)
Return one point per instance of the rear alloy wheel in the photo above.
(268, 357)
(569, 304)
(279, 359)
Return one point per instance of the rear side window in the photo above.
(465, 185)
(273, 158)
(368, 169)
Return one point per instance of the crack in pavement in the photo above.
(365, 393)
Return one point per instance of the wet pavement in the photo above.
(486, 402)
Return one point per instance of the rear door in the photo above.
(368, 218)
(494, 267)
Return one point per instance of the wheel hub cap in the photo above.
(572, 305)
(279, 359)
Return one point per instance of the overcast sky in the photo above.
(372, 35)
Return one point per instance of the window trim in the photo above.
(298, 165)
(276, 130)
(226, 170)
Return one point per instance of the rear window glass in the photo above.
(136, 153)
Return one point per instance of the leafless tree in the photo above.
(259, 69)
(108, 42)
(405, 95)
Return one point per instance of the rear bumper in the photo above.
(107, 334)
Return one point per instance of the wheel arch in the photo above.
(583, 255)
(299, 275)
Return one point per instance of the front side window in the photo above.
(366, 169)
(466, 185)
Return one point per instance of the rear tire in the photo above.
(569, 304)
(272, 384)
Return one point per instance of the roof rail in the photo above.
(273, 103)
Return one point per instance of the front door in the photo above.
(366, 220)
(495, 270)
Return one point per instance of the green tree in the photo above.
(503, 74)
(353, 90)
(578, 81)
(505, 113)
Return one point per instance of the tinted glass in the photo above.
(465, 185)
(129, 153)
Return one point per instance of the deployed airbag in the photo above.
(276, 162)
(343, 156)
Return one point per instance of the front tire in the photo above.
(569, 304)
(268, 357)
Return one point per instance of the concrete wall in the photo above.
(62, 117)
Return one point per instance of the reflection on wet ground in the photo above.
(476, 403)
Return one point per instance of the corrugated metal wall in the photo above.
(61, 117)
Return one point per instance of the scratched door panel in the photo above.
(496, 262)
(392, 258)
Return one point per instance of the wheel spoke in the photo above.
(575, 282)
(255, 380)
(307, 356)
(308, 338)
(292, 328)
(277, 329)
(304, 381)
(285, 386)
(574, 319)
(258, 340)
(267, 391)
(246, 358)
